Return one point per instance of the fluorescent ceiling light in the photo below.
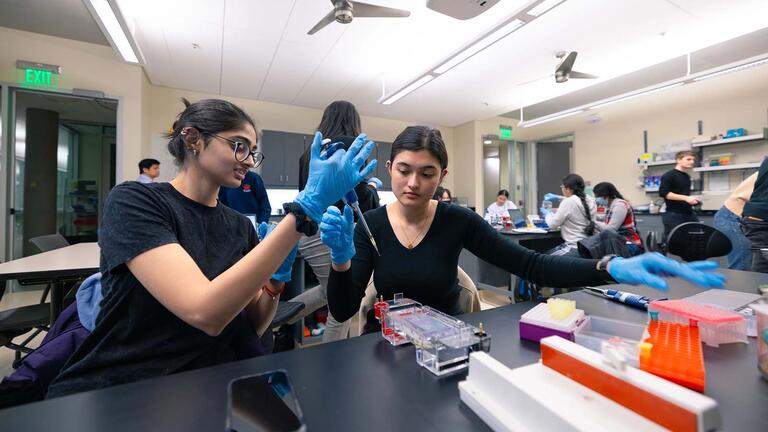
(541, 120)
(479, 46)
(516, 21)
(544, 6)
(107, 19)
(732, 69)
(487, 142)
(408, 89)
(632, 96)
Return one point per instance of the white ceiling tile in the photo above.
(268, 55)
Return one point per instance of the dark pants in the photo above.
(757, 233)
(671, 220)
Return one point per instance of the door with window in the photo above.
(61, 166)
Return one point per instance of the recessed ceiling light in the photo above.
(113, 28)
(487, 142)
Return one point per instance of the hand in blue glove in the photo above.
(649, 268)
(552, 197)
(337, 232)
(545, 212)
(329, 179)
(283, 272)
(375, 180)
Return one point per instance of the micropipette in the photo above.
(629, 299)
(350, 198)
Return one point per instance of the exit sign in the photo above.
(505, 132)
(38, 74)
(37, 77)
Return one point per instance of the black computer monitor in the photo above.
(517, 218)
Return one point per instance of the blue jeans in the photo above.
(729, 224)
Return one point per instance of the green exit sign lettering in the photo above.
(505, 133)
(37, 77)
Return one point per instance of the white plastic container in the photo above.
(625, 336)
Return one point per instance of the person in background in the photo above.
(443, 195)
(754, 220)
(575, 216)
(728, 221)
(186, 282)
(248, 198)
(619, 216)
(500, 208)
(340, 122)
(149, 170)
(675, 188)
(420, 240)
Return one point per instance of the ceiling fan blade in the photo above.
(581, 75)
(567, 64)
(331, 17)
(365, 10)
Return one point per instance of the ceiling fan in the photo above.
(344, 11)
(564, 71)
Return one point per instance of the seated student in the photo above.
(501, 207)
(186, 283)
(420, 240)
(619, 216)
(575, 216)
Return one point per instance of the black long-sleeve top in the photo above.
(427, 273)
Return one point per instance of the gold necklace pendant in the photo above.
(410, 246)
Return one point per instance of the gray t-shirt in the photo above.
(135, 336)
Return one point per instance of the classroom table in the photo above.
(365, 384)
(57, 267)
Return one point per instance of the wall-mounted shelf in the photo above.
(742, 139)
(657, 163)
(753, 165)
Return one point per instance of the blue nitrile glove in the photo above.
(337, 232)
(329, 179)
(375, 180)
(649, 268)
(283, 273)
(545, 212)
(552, 197)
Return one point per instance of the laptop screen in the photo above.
(517, 218)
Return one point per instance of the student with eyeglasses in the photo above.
(186, 281)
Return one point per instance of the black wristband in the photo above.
(304, 224)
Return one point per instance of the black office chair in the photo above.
(694, 241)
(653, 243)
(18, 321)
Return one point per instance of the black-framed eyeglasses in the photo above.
(241, 150)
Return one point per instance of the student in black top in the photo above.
(420, 240)
(675, 188)
(186, 283)
(754, 220)
(340, 122)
